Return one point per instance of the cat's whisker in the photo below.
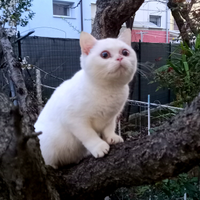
(148, 65)
(142, 73)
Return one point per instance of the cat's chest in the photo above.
(109, 103)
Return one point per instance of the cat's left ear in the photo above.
(87, 41)
(125, 36)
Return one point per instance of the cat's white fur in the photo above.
(80, 117)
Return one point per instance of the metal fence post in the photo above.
(19, 47)
(139, 75)
(149, 115)
(169, 57)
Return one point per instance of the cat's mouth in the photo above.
(121, 68)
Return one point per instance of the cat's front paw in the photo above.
(100, 149)
(113, 139)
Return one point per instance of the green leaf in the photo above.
(151, 82)
(151, 131)
(197, 43)
(183, 57)
(187, 71)
(190, 188)
(194, 179)
(175, 68)
(186, 49)
(163, 68)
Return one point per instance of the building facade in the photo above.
(59, 18)
(151, 23)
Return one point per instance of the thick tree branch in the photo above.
(185, 13)
(173, 150)
(179, 21)
(111, 14)
(14, 69)
(22, 172)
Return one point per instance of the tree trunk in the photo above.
(110, 16)
(186, 12)
(179, 21)
(15, 72)
(186, 18)
(22, 170)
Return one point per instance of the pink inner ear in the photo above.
(87, 42)
(86, 49)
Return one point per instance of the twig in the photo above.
(46, 86)
(49, 74)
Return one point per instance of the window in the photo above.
(155, 19)
(62, 8)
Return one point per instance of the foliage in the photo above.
(16, 12)
(181, 73)
(169, 189)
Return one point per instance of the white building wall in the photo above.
(142, 15)
(47, 25)
(153, 8)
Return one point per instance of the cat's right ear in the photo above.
(125, 36)
(87, 41)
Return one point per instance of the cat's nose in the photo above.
(120, 58)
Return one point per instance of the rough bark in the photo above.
(111, 14)
(185, 18)
(22, 170)
(186, 14)
(175, 10)
(173, 150)
(14, 68)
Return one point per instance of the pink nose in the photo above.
(120, 58)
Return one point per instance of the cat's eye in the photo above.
(125, 52)
(105, 54)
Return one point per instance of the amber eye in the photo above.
(105, 54)
(125, 52)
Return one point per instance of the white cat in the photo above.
(80, 117)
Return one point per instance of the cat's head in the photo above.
(111, 60)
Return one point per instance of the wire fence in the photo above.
(59, 59)
(147, 119)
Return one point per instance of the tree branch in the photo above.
(22, 172)
(14, 69)
(185, 13)
(179, 21)
(111, 14)
(173, 150)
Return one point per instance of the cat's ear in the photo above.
(125, 36)
(87, 41)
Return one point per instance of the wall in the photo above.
(154, 36)
(93, 10)
(153, 8)
(45, 24)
